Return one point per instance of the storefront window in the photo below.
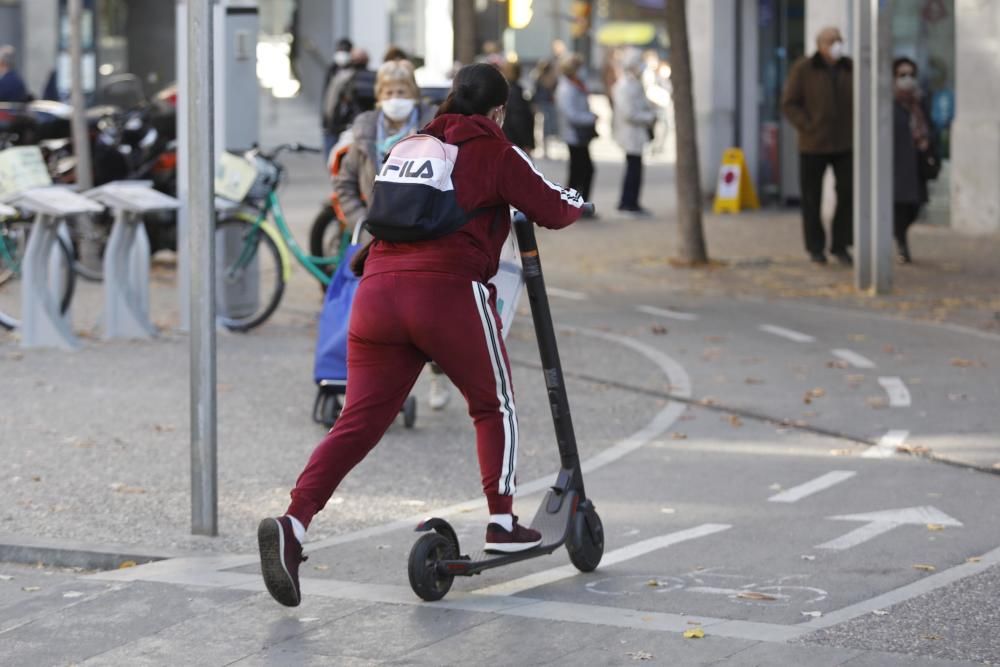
(925, 32)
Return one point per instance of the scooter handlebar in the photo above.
(520, 218)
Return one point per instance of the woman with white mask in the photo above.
(398, 114)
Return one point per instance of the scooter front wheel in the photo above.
(586, 543)
(425, 580)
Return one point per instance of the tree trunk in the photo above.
(688, 173)
(88, 248)
(464, 20)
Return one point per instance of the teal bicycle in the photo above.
(254, 257)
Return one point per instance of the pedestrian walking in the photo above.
(545, 77)
(429, 299)
(817, 100)
(519, 122)
(915, 159)
(12, 88)
(341, 60)
(399, 114)
(632, 125)
(351, 92)
(578, 124)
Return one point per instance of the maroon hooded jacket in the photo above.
(490, 174)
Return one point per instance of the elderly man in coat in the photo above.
(633, 119)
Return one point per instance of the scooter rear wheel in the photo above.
(586, 543)
(410, 412)
(425, 580)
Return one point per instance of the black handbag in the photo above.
(928, 164)
(585, 133)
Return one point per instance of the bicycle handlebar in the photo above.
(521, 218)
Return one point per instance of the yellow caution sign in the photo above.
(734, 190)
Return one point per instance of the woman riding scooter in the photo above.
(429, 300)
(398, 114)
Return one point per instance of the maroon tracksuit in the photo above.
(429, 300)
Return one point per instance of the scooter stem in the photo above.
(549, 352)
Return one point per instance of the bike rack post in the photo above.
(42, 325)
(126, 257)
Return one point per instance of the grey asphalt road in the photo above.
(743, 456)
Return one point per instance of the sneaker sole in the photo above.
(509, 547)
(271, 542)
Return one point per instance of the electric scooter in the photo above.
(566, 515)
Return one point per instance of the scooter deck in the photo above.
(554, 527)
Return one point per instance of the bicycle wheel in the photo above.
(14, 239)
(326, 237)
(249, 279)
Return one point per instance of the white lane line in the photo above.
(797, 493)
(566, 294)
(853, 358)
(667, 312)
(680, 384)
(791, 335)
(899, 395)
(611, 558)
(567, 612)
(886, 446)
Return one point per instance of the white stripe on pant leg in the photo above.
(503, 385)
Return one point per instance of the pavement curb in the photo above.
(54, 553)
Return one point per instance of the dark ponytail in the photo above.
(475, 90)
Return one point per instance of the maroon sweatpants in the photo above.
(399, 321)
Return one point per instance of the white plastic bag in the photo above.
(509, 282)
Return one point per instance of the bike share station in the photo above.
(25, 184)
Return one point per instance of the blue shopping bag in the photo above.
(334, 320)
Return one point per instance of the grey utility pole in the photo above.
(200, 112)
(873, 121)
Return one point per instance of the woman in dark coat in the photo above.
(914, 161)
(519, 122)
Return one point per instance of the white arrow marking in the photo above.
(853, 358)
(899, 395)
(667, 312)
(886, 446)
(799, 492)
(796, 336)
(617, 556)
(883, 522)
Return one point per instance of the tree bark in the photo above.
(464, 21)
(691, 239)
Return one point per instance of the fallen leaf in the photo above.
(658, 329)
(877, 402)
(754, 381)
(708, 400)
(31, 589)
(841, 452)
(653, 583)
(934, 527)
(958, 362)
(321, 568)
(127, 564)
(694, 633)
(924, 567)
(814, 614)
(932, 638)
(735, 421)
(880, 612)
(754, 595)
(694, 622)
(715, 339)
(676, 435)
(36, 478)
(164, 428)
(973, 559)
(839, 363)
(857, 338)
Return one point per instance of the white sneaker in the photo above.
(440, 393)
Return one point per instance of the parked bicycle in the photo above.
(253, 255)
(14, 234)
